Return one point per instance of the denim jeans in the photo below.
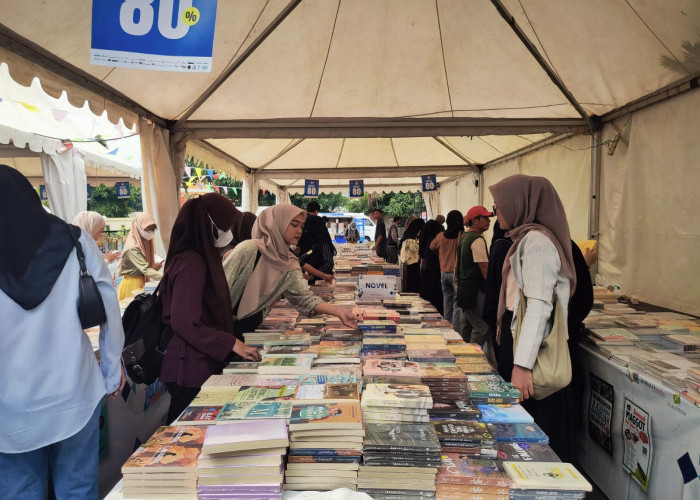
(74, 463)
(448, 295)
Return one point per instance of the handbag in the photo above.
(409, 252)
(552, 370)
(91, 309)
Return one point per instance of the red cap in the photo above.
(476, 212)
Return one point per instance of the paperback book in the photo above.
(252, 410)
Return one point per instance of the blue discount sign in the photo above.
(357, 189)
(429, 182)
(311, 188)
(123, 190)
(164, 35)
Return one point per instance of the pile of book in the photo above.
(325, 446)
(468, 438)
(460, 477)
(447, 382)
(166, 465)
(491, 389)
(400, 460)
(243, 459)
(396, 403)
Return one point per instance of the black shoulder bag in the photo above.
(91, 309)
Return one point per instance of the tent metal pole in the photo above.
(362, 172)
(594, 210)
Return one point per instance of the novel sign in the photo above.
(376, 287)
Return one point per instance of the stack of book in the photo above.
(614, 336)
(441, 354)
(325, 438)
(166, 465)
(508, 414)
(456, 410)
(446, 381)
(384, 346)
(380, 367)
(526, 452)
(399, 460)
(468, 438)
(396, 403)
(328, 393)
(491, 389)
(555, 480)
(285, 364)
(242, 459)
(520, 433)
(338, 351)
(460, 477)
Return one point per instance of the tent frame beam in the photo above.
(336, 128)
(36, 54)
(363, 172)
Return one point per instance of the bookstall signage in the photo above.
(636, 436)
(42, 192)
(376, 287)
(429, 182)
(123, 190)
(311, 188)
(357, 189)
(154, 34)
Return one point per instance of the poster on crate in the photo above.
(636, 437)
(600, 409)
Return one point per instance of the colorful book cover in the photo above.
(265, 393)
(526, 452)
(420, 437)
(528, 433)
(465, 349)
(251, 410)
(214, 396)
(429, 354)
(285, 364)
(440, 371)
(491, 389)
(395, 368)
(512, 414)
(463, 432)
(291, 350)
(198, 415)
(169, 449)
(403, 395)
(343, 415)
(546, 476)
(636, 437)
(320, 378)
(458, 469)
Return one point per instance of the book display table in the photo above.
(669, 424)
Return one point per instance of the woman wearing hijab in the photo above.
(261, 270)
(315, 237)
(196, 302)
(352, 235)
(445, 244)
(138, 256)
(241, 230)
(539, 264)
(52, 382)
(410, 257)
(93, 224)
(430, 288)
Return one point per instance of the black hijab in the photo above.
(431, 229)
(34, 246)
(455, 224)
(314, 235)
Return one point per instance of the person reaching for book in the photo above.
(52, 384)
(196, 302)
(261, 270)
(138, 256)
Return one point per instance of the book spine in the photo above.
(307, 459)
(325, 452)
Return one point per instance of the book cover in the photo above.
(491, 389)
(614, 334)
(242, 367)
(265, 393)
(463, 432)
(214, 396)
(252, 410)
(403, 395)
(321, 378)
(170, 449)
(198, 415)
(600, 412)
(291, 350)
(512, 414)
(440, 371)
(458, 469)
(285, 364)
(345, 415)
(429, 354)
(394, 368)
(245, 435)
(458, 410)
(401, 437)
(546, 476)
(526, 452)
(528, 433)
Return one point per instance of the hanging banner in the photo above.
(636, 436)
(370, 286)
(357, 189)
(311, 188)
(154, 34)
(42, 193)
(429, 182)
(123, 190)
(89, 192)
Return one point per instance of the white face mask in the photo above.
(146, 235)
(224, 238)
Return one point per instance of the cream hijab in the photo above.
(134, 240)
(90, 222)
(275, 256)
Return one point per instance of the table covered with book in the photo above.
(641, 436)
(399, 408)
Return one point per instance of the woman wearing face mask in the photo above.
(138, 256)
(261, 270)
(195, 299)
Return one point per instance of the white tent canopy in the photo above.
(387, 90)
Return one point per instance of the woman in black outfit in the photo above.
(430, 288)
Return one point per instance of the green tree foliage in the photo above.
(405, 204)
(104, 201)
(330, 202)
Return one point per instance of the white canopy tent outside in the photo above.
(387, 90)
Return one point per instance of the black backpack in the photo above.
(145, 338)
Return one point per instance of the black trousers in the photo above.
(180, 398)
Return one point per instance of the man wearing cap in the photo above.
(470, 276)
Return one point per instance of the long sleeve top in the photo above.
(196, 350)
(536, 269)
(239, 265)
(447, 251)
(134, 263)
(51, 380)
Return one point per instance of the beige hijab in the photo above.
(90, 222)
(134, 240)
(530, 203)
(275, 256)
